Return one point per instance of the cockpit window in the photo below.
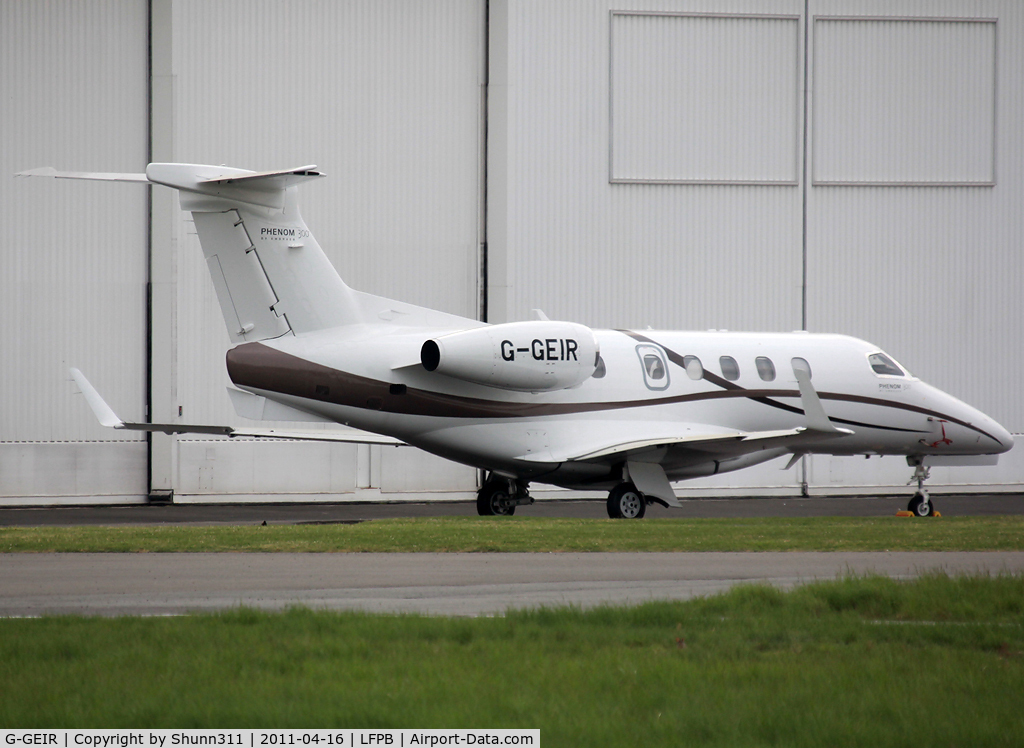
(884, 366)
(765, 368)
(730, 369)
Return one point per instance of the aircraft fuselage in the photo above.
(649, 383)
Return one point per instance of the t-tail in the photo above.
(271, 276)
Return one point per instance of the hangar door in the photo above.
(386, 98)
(774, 165)
(73, 267)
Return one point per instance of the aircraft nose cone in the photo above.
(1000, 439)
(1004, 437)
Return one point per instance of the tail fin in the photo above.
(270, 274)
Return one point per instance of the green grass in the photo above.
(470, 534)
(857, 661)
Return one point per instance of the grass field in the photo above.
(853, 662)
(531, 534)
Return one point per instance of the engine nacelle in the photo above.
(536, 356)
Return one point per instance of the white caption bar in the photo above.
(265, 738)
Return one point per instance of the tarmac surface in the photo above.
(452, 584)
(34, 584)
(245, 514)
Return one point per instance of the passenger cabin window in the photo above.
(800, 364)
(884, 366)
(730, 369)
(693, 366)
(765, 368)
(655, 366)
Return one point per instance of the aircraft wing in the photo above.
(631, 439)
(107, 417)
(735, 442)
(635, 439)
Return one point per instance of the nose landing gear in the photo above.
(921, 505)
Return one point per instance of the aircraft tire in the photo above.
(625, 502)
(492, 500)
(921, 506)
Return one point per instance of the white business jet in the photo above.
(538, 400)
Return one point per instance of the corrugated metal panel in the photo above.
(933, 274)
(686, 108)
(386, 98)
(677, 256)
(904, 101)
(74, 267)
(927, 273)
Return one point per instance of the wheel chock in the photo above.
(905, 513)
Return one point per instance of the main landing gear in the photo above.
(626, 502)
(921, 505)
(500, 497)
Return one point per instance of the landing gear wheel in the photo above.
(495, 499)
(625, 502)
(921, 506)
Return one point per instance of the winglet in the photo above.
(104, 413)
(107, 417)
(817, 418)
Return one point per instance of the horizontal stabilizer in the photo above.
(259, 188)
(265, 188)
(49, 171)
(277, 180)
(106, 416)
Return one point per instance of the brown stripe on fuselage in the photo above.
(261, 367)
(758, 395)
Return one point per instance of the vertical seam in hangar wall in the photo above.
(149, 248)
(161, 356)
(804, 185)
(804, 461)
(483, 153)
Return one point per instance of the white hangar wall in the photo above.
(73, 268)
(647, 167)
(927, 264)
(387, 99)
(646, 164)
(386, 96)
